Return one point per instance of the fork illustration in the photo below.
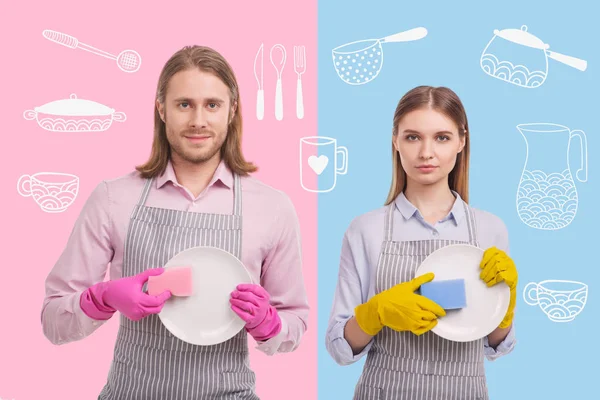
(299, 68)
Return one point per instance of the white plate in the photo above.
(486, 306)
(205, 317)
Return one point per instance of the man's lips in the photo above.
(197, 138)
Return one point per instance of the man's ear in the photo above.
(233, 111)
(161, 110)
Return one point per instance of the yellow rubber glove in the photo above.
(496, 267)
(399, 308)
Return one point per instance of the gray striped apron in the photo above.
(150, 363)
(404, 366)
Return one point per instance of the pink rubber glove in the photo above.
(251, 303)
(124, 295)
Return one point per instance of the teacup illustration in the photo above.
(52, 191)
(560, 300)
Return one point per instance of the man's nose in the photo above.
(198, 118)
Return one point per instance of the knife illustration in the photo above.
(260, 95)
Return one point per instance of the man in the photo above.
(195, 190)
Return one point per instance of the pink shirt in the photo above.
(271, 249)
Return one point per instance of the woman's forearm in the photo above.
(355, 336)
(497, 336)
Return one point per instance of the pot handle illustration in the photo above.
(344, 168)
(24, 179)
(531, 287)
(406, 36)
(29, 114)
(581, 172)
(574, 62)
(119, 116)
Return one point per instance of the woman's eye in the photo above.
(411, 137)
(443, 138)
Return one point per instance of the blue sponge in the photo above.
(449, 294)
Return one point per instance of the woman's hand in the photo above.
(496, 266)
(400, 309)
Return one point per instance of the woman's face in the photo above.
(428, 143)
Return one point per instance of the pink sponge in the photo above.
(176, 279)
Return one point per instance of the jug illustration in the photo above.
(547, 195)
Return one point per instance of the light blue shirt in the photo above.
(360, 251)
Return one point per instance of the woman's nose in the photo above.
(426, 150)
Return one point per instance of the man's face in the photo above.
(428, 143)
(196, 113)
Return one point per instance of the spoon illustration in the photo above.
(278, 89)
(127, 60)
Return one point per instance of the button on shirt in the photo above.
(271, 248)
(360, 252)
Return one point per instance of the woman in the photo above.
(426, 209)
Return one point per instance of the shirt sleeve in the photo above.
(283, 279)
(505, 347)
(83, 263)
(509, 342)
(347, 296)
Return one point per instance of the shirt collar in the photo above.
(222, 174)
(408, 210)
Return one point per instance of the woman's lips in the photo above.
(426, 168)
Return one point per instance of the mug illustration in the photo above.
(326, 165)
(54, 192)
(547, 195)
(561, 300)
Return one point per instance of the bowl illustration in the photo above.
(74, 115)
(54, 192)
(561, 300)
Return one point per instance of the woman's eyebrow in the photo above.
(412, 131)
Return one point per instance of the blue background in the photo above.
(551, 360)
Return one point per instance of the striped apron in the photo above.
(150, 363)
(404, 366)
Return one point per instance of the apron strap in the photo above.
(471, 226)
(143, 197)
(389, 222)
(237, 195)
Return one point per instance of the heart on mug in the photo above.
(318, 164)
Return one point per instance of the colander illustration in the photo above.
(360, 62)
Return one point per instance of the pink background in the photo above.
(37, 71)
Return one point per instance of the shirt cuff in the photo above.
(276, 343)
(503, 348)
(87, 325)
(340, 348)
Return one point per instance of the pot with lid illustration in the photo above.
(74, 115)
(518, 57)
